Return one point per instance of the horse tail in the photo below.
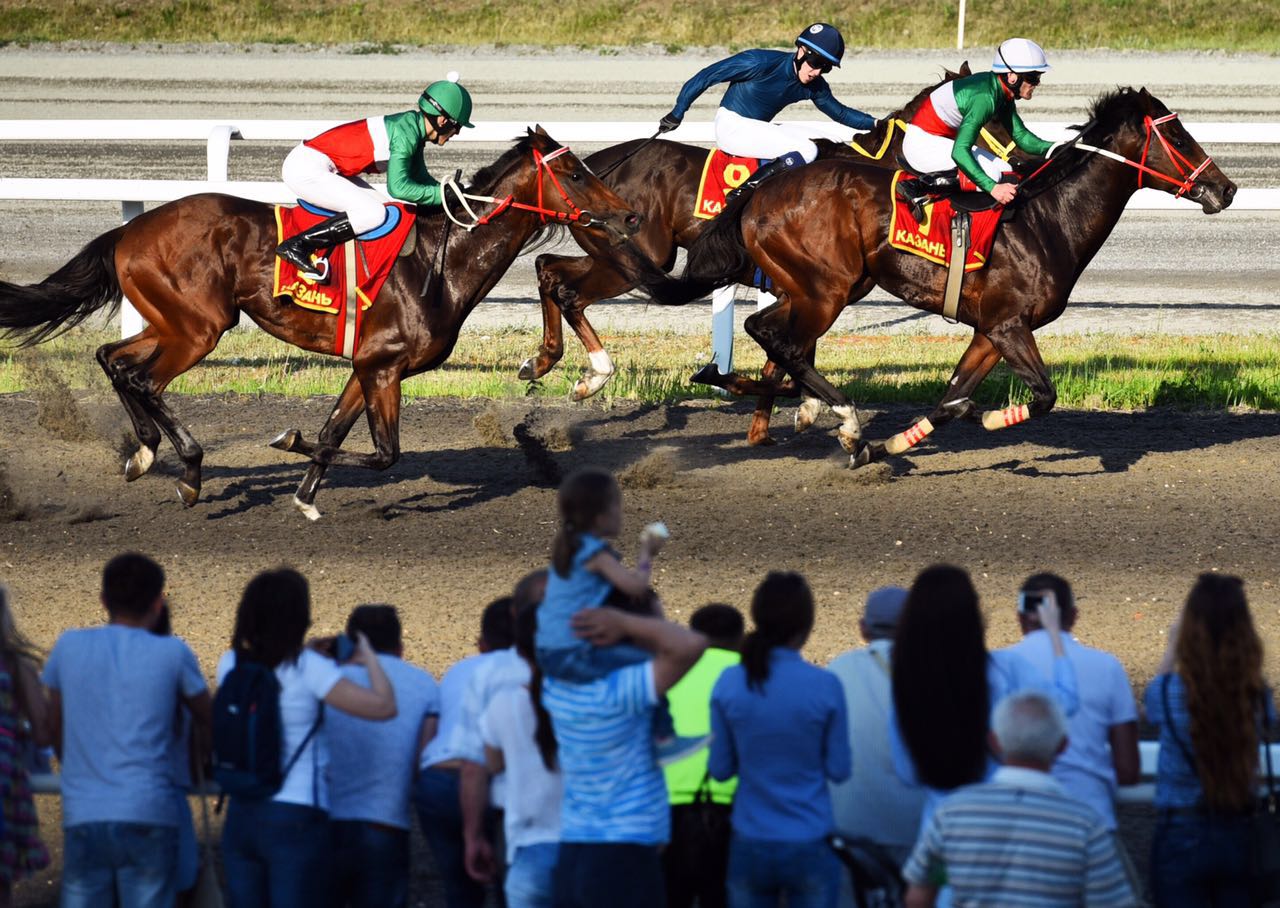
(36, 312)
(717, 258)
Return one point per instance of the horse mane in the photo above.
(1114, 106)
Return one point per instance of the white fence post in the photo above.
(960, 28)
(131, 322)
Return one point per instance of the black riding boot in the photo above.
(777, 165)
(329, 233)
(918, 192)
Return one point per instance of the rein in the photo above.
(541, 162)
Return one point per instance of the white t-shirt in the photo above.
(495, 671)
(1085, 769)
(303, 686)
(533, 795)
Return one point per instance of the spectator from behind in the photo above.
(945, 684)
(1207, 698)
(276, 851)
(437, 792)
(779, 724)
(1103, 733)
(371, 769)
(615, 815)
(696, 861)
(24, 724)
(520, 745)
(1019, 839)
(874, 803)
(114, 697)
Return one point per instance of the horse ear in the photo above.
(539, 129)
(965, 70)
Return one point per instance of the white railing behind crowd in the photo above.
(1142, 793)
(133, 194)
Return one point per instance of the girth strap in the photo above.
(955, 270)
(352, 307)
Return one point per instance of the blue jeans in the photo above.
(435, 795)
(1199, 859)
(133, 865)
(371, 864)
(761, 871)
(276, 855)
(612, 875)
(530, 877)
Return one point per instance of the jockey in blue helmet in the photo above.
(763, 82)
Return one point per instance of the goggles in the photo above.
(1031, 78)
(450, 124)
(816, 61)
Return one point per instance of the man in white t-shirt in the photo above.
(1103, 732)
(371, 769)
(114, 697)
(873, 802)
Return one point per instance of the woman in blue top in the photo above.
(1207, 698)
(761, 83)
(946, 684)
(779, 724)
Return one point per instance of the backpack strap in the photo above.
(315, 758)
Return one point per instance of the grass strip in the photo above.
(1093, 371)
(387, 26)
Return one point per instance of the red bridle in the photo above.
(541, 162)
(1180, 161)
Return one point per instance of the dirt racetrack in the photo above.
(1129, 507)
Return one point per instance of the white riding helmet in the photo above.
(1020, 55)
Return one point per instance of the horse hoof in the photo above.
(187, 494)
(761, 441)
(807, 413)
(708, 375)
(308, 510)
(850, 442)
(861, 458)
(528, 370)
(590, 384)
(138, 465)
(286, 439)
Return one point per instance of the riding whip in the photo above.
(628, 156)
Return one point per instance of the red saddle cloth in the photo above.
(721, 174)
(373, 262)
(931, 239)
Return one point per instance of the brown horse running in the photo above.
(659, 179)
(192, 266)
(821, 234)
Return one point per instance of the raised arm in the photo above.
(826, 102)
(731, 69)
(675, 648)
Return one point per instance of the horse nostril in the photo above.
(1229, 193)
(632, 221)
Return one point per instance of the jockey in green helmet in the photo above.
(325, 170)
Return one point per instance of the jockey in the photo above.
(325, 170)
(942, 134)
(762, 82)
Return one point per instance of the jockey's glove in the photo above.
(668, 123)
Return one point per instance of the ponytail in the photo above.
(563, 549)
(783, 612)
(544, 734)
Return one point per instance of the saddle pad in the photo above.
(932, 238)
(373, 261)
(721, 174)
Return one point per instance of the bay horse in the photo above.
(191, 266)
(821, 234)
(659, 178)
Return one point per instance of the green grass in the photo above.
(1094, 372)
(1244, 25)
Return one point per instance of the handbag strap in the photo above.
(1173, 728)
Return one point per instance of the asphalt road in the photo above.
(1175, 272)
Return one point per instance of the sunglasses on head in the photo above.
(813, 61)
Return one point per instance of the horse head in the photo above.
(1138, 125)
(566, 185)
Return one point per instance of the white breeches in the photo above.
(744, 138)
(929, 153)
(314, 178)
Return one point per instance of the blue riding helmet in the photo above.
(823, 39)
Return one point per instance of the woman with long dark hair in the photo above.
(276, 849)
(946, 683)
(779, 724)
(1208, 698)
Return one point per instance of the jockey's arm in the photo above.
(1024, 138)
(737, 68)
(826, 102)
(979, 112)
(407, 176)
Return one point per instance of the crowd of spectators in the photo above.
(981, 777)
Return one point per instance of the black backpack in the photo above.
(248, 734)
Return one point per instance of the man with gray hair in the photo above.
(1019, 839)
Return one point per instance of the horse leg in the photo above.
(1018, 346)
(345, 411)
(979, 358)
(118, 360)
(810, 406)
(758, 434)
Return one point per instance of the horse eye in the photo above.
(576, 176)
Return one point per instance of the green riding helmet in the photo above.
(448, 98)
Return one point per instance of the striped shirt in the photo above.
(614, 791)
(1019, 840)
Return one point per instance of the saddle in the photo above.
(953, 185)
